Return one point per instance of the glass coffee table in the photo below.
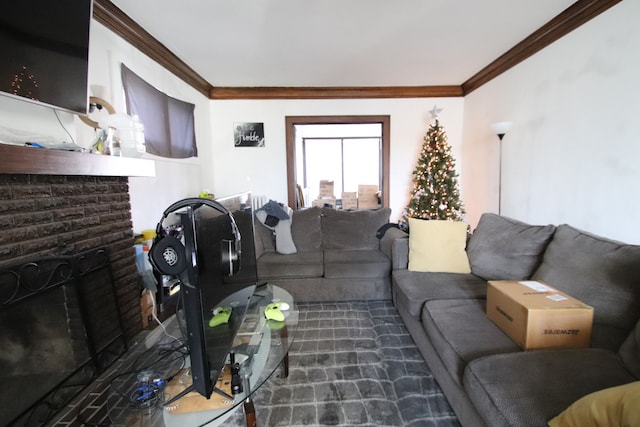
(260, 348)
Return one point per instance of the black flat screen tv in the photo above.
(206, 284)
(44, 46)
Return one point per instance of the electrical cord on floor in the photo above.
(137, 392)
(165, 356)
(155, 317)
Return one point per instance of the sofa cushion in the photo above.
(340, 263)
(502, 248)
(438, 246)
(305, 229)
(272, 265)
(264, 238)
(413, 288)
(602, 273)
(352, 229)
(630, 351)
(281, 230)
(460, 332)
(529, 388)
(614, 406)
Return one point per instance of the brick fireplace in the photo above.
(52, 215)
(45, 217)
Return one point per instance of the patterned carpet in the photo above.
(352, 364)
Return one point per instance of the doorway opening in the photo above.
(348, 150)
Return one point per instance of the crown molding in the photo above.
(571, 18)
(568, 20)
(334, 92)
(121, 24)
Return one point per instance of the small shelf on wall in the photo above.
(40, 161)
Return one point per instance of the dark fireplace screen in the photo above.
(59, 328)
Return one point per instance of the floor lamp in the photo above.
(500, 129)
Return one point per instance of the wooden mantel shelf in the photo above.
(40, 161)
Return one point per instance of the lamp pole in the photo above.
(500, 135)
(500, 129)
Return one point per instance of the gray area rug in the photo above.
(352, 364)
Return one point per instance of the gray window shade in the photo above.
(169, 127)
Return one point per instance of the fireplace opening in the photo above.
(60, 328)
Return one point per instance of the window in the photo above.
(348, 161)
(350, 150)
(169, 126)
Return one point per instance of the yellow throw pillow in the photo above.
(612, 407)
(438, 246)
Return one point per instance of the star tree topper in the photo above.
(435, 112)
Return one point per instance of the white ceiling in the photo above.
(317, 43)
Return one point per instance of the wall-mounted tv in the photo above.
(44, 46)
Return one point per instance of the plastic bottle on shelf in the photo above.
(129, 131)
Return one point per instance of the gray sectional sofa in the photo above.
(487, 378)
(338, 256)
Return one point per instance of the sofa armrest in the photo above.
(395, 245)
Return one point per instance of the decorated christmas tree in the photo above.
(435, 193)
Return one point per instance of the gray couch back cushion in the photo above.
(264, 239)
(600, 272)
(502, 248)
(305, 229)
(352, 230)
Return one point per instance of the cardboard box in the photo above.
(193, 401)
(368, 197)
(537, 316)
(349, 200)
(367, 189)
(368, 201)
(326, 188)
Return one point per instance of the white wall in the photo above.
(175, 178)
(571, 157)
(263, 171)
(221, 167)
(573, 154)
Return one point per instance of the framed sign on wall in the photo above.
(248, 134)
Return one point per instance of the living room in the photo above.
(570, 156)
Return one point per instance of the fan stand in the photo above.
(100, 103)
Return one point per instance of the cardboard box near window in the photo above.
(537, 316)
(326, 188)
(349, 200)
(367, 189)
(368, 201)
(368, 196)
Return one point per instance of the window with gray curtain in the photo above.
(169, 126)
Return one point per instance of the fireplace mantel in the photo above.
(40, 161)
